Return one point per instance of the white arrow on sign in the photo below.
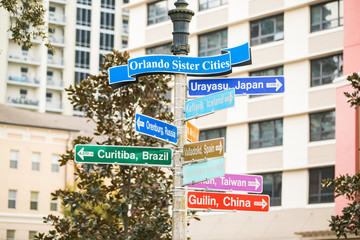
(229, 98)
(219, 148)
(263, 204)
(255, 184)
(83, 154)
(276, 85)
(140, 123)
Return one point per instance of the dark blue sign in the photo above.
(194, 66)
(211, 103)
(251, 85)
(155, 128)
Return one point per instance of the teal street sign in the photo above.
(210, 103)
(122, 155)
(193, 66)
(203, 171)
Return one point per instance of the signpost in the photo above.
(227, 201)
(234, 182)
(213, 148)
(192, 132)
(251, 85)
(123, 155)
(156, 128)
(202, 171)
(210, 103)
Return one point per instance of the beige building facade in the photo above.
(288, 138)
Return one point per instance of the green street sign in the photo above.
(102, 154)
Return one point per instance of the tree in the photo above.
(27, 14)
(346, 185)
(112, 201)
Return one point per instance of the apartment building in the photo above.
(81, 32)
(31, 144)
(288, 138)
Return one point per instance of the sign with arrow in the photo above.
(205, 149)
(234, 182)
(227, 201)
(123, 155)
(203, 171)
(210, 103)
(155, 128)
(250, 85)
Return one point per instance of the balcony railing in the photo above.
(57, 18)
(55, 83)
(53, 105)
(125, 30)
(56, 40)
(59, 1)
(22, 101)
(23, 80)
(55, 61)
(23, 57)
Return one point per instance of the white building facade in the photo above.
(288, 138)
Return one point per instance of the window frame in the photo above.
(34, 202)
(340, 19)
(10, 232)
(14, 162)
(107, 20)
(260, 37)
(322, 61)
(274, 199)
(157, 18)
(82, 59)
(206, 2)
(83, 16)
(221, 134)
(321, 193)
(35, 162)
(277, 140)
(12, 198)
(106, 41)
(321, 133)
(221, 44)
(159, 49)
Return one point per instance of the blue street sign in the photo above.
(210, 103)
(203, 171)
(155, 128)
(250, 85)
(194, 66)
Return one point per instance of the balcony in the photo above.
(55, 84)
(125, 12)
(58, 1)
(55, 62)
(125, 30)
(58, 41)
(53, 106)
(23, 101)
(23, 80)
(23, 57)
(58, 19)
(33, 40)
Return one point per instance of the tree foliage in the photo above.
(112, 201)
(353, 98)
(27, 22)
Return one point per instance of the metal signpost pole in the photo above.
(181, 17)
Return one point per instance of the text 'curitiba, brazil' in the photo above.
(193, 66)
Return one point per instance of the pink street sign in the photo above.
(246, 183)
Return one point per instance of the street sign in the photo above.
(123, 155)
(205, 149)
(155, 128)
(246, 183)
(227, 201)
(210, 103)
(192, 132)
(250, 85)
(202, 171)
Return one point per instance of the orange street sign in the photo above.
(192, 132)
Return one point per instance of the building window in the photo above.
(55, 165)
(23, 93)
(124, 43)
(82, 38)
(14, 159)
(272, 186)
(35, 164)
(327, 15)
(212, 134)
(276, 71)
(206, 4)
(108, 4)
(12, 199)
(83, 16)
(106, 41)
(158, 12)
(82, 59)
(322, 126)
(161, 49)
(34, 198)
(211, 43)
(10, 234)
(85, 2)
(267, 30)
(48, 97)
(325, 70)
(32, 235)
(107, 20)
(53, 205)
(266, 134)
(316, 193)
(125, 26)
(79, 76)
